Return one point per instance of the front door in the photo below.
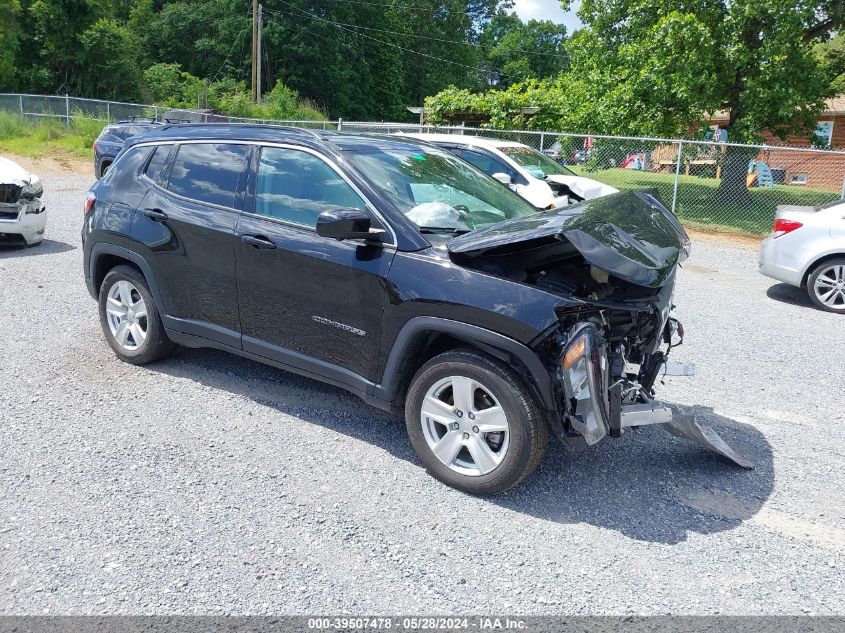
(306, 300)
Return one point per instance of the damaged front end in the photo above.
(22, 218)
(612, 262)
(604, 392)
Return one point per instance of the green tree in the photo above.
(107, 56)
(169, 85)
(832, 54)
(663, 63)
(9, 35)
(534, 50)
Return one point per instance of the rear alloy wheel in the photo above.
(130, 320)
(473, 423)
(826, 285)
(126, 312)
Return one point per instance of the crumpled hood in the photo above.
(586, 188)
(630, 235)
(13, 174)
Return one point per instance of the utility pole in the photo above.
(258, 53)
(254, 49)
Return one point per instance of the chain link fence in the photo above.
(705, 183)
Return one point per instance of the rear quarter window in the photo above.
(157, 164)
(122, 179)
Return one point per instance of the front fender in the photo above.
(528, 363)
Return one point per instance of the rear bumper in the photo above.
(782, 259)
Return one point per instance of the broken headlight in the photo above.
(33, 189)
(581, 372)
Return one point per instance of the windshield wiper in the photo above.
(443, 229)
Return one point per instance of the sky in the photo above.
(548, 10)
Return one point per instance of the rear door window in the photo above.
(208, 172)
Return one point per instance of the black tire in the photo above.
(156, 345)
(811, 286)
(528, 429)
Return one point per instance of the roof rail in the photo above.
(287, 128)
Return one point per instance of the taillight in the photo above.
(90, 199)
(782, 227)
(94, 145)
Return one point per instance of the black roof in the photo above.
(272, 133)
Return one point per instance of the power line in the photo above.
(231, 50)
(412, 7)
(433, 39)
(344, 28)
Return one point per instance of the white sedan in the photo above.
(22, 215)
(543, 182)
(807, 249)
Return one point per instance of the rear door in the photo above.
(185, 227)
(305, 300)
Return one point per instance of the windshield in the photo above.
(535, 162)
(437, 191)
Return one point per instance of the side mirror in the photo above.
(342, 223)
(505, 179)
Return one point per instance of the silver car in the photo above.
(806, 249)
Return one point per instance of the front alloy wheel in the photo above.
(474, 423)
(465, 426)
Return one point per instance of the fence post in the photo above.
(20, 97)
(339, 125)
(542, 139)
(108, 111)
(155, 112)
(677, 176)
(67, 109)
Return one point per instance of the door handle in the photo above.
(257, 241)
(156, 215)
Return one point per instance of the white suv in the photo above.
(533, 175)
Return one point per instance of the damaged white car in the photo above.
(543, 182)
(22, 214)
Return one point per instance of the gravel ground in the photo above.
(212, 484)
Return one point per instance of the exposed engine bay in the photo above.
(612, 263)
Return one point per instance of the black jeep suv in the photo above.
(394, 270)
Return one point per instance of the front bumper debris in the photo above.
(686, 426)
(679, 425)
(598, 404)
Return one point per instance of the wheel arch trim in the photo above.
(103, 248)
(538, 378)
(833, 253)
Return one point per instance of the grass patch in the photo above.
(48, 136)
(696, 198)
